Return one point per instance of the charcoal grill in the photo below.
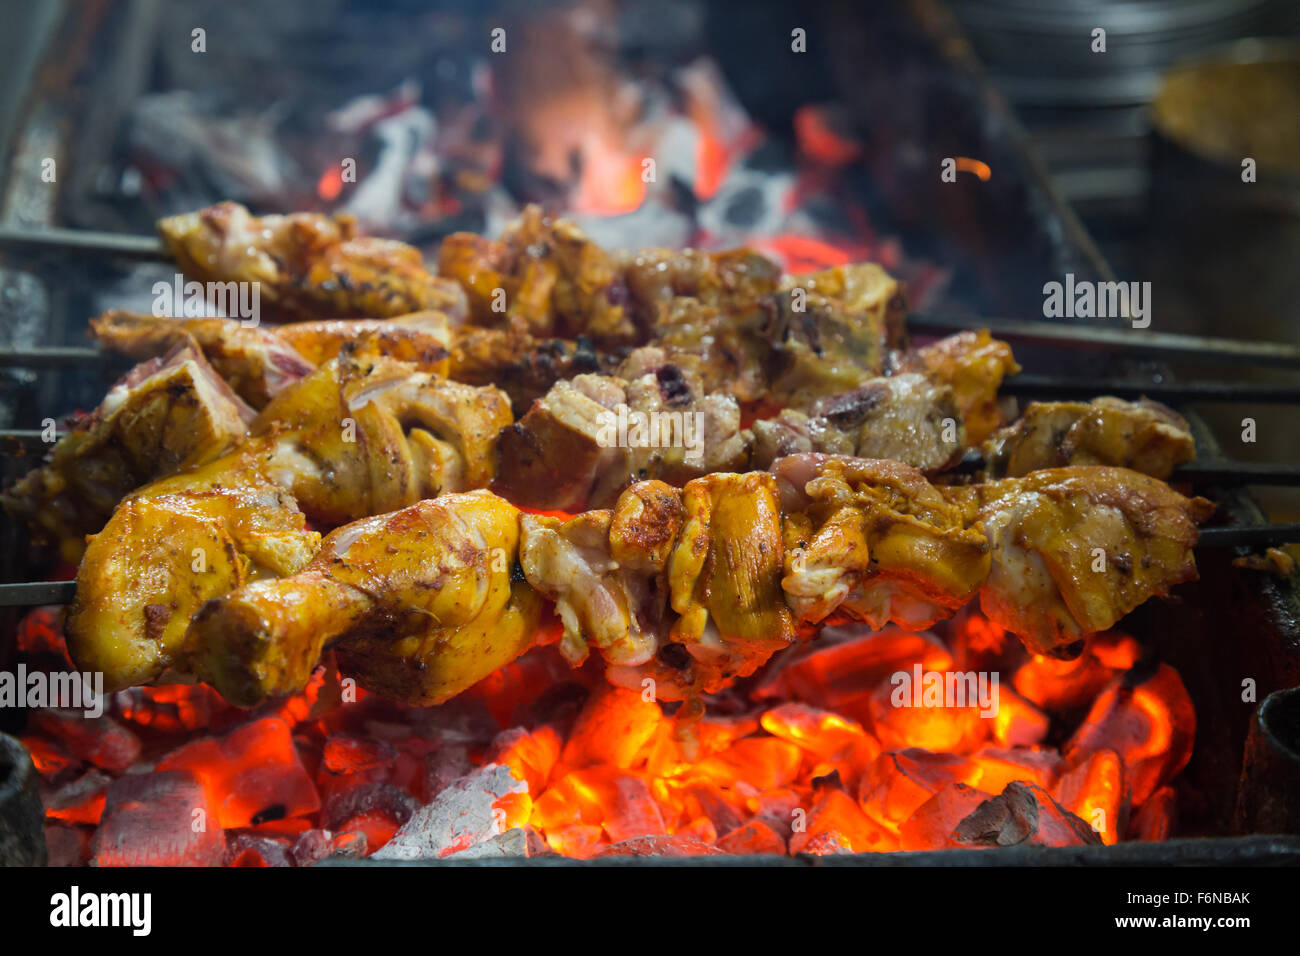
(915, 93)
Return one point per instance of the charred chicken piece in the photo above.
(829, 332)
(542, 279)
(260, 362)
(1144, 436)
(308, 266)
(591, 437)
(255, 361)
(906, 418)
(165, 415)
(525, 368)
(973, 365)
(606, 572)
(1075, 549)
(726, 318)
(421, 603)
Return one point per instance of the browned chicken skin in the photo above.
(973, 365)
(687, 589)
(422, 604)
(165, 415)
(213, 572)
(1144, 436)
(542, 279)
(308, 266)
(260, 362)
(350, 440)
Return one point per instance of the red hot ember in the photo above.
(806, 757)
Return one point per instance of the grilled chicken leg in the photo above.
(422, 603)
(348, 441)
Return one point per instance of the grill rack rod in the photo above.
(1020, 386)
(38, 243)
(1216, 472)
(33, 593)
(1117, 340)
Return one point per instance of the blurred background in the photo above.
(1146, 142)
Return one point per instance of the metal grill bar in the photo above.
(1171, 393)
(1166, 345)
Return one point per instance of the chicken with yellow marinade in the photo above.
(421, 604)
(348, 441)
(307, 265)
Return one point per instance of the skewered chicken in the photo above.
(688, 588)
(165, 415)
(1075, 549)
(727, 318)
(876, 541)
(973, 364)
(904, 417)
(307, 265)
(422, 603)
(830, 331)
(348, 441)
(544, 290)
(210, 571)
(163, 554)
(259, 362)
(1144, 436)
(543, 278)
(589, 438)
(1069, 551)
(562, 454)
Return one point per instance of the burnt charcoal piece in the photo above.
(22, 833)
(1023, 814)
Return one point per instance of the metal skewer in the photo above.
(32, 593)
(61, 242)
